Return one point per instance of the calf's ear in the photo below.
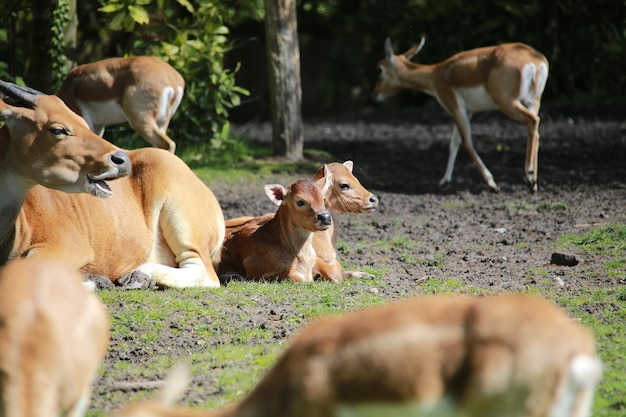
(276, 193)
(326, 182)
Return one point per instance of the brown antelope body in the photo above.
(509, 77)
(279, 246)
(53, 338)
(513, 355)
(160, 220)
(142, 90)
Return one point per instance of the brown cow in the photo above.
(154, 219)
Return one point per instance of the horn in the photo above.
(18, 93)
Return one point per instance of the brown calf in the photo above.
(279, 246)
(344, 195)
(53, 336)
(511, 355)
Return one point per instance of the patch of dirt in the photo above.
(464, 233)
(468, 232)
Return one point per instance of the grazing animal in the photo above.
(141, 90)
(156, 220)
(279, 246)
(345, 195)
(53, 337)
(510, 77)
(508, 355)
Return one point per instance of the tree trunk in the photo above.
(69, 38)
(283, 57)
(40, 74)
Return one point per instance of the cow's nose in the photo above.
(325, 219)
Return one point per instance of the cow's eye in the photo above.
(58, 130)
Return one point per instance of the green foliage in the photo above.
(60, 19)
(193, 38)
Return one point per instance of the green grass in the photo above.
(235, 357)
(236, 364)
(608, 241)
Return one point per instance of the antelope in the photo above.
(141, 90)
(158, 222)
(53, 337)
(279, 246)
(345, 195)
(500, 355)
(510, 78)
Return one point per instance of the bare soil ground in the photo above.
(470, 233)
(465, 233)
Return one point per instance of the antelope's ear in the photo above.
(349, 165)
(415, 49)
(389, 51)
(276, 193)
(12, 114)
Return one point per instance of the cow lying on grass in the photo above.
(344, 195)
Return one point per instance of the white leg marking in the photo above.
(164, 112)
(190, 273)
(526, 92)
(455, 143)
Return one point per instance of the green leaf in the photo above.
(139, 14)
(111, 8)
(129, 23)
(222, 30)
(187, 5)
(196, 44)
(117, 21)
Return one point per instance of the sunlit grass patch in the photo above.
(606, 240)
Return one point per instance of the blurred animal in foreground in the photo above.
(510, 78)
(53, 337)
(510, 355)
(141, 90)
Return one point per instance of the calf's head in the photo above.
(345, 193)
(302, 203)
